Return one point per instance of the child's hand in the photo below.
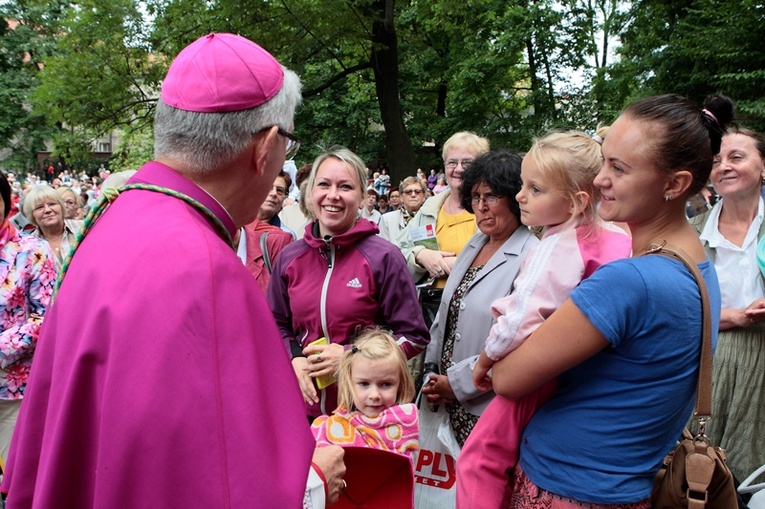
(481, 379)
(323, 359)
(299, 364)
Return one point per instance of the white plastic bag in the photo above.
(435, 474)
(758, 499)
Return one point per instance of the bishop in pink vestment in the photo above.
(156, 370)
(160, 378)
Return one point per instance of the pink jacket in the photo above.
(337, 288)
(551, 270)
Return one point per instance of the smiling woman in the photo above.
(26, 275)
(45, 208)
(338, 280)
(626, 343)
(730, 233)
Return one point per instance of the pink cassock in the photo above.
(160, 379)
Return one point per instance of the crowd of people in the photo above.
(231, 310)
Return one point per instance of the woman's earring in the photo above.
(668, 197)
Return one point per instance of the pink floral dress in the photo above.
(27, 276)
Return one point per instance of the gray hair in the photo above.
(37, 194)
(412, 180)
(208, 142)
(345, 155)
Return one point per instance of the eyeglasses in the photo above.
(49, 204)
(452, 163)
(490, 199)
(293, 142)
(412, 191)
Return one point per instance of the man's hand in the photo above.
(329, 459)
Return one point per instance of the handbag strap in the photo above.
(266, 255)
(703, 408)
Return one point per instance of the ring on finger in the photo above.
(318, 358)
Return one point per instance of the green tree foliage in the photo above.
(389, 79)
(26, 40)
(695, 48)
(103, 75)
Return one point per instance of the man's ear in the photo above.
(678, 183)
(265, 141)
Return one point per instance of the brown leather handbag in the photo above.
(694, 475)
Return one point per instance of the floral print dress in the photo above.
(461, 420)
(27, 276)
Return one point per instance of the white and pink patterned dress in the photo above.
(396, 429)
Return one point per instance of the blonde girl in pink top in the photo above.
(558, 196)
(374, 391)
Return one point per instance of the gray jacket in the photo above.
(495, 280)
(391, 225)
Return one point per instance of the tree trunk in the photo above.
(535, 94)
(384, 59)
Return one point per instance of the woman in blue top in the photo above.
(626, 344)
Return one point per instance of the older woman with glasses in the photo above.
(392, 224)
(45, 209)
(72, 202)
(442, 227)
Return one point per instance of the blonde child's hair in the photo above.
(374, 344)
(571, 160)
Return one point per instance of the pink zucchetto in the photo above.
(220, 73)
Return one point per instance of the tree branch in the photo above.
(334, 79)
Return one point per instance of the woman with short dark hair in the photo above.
(484, 271)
